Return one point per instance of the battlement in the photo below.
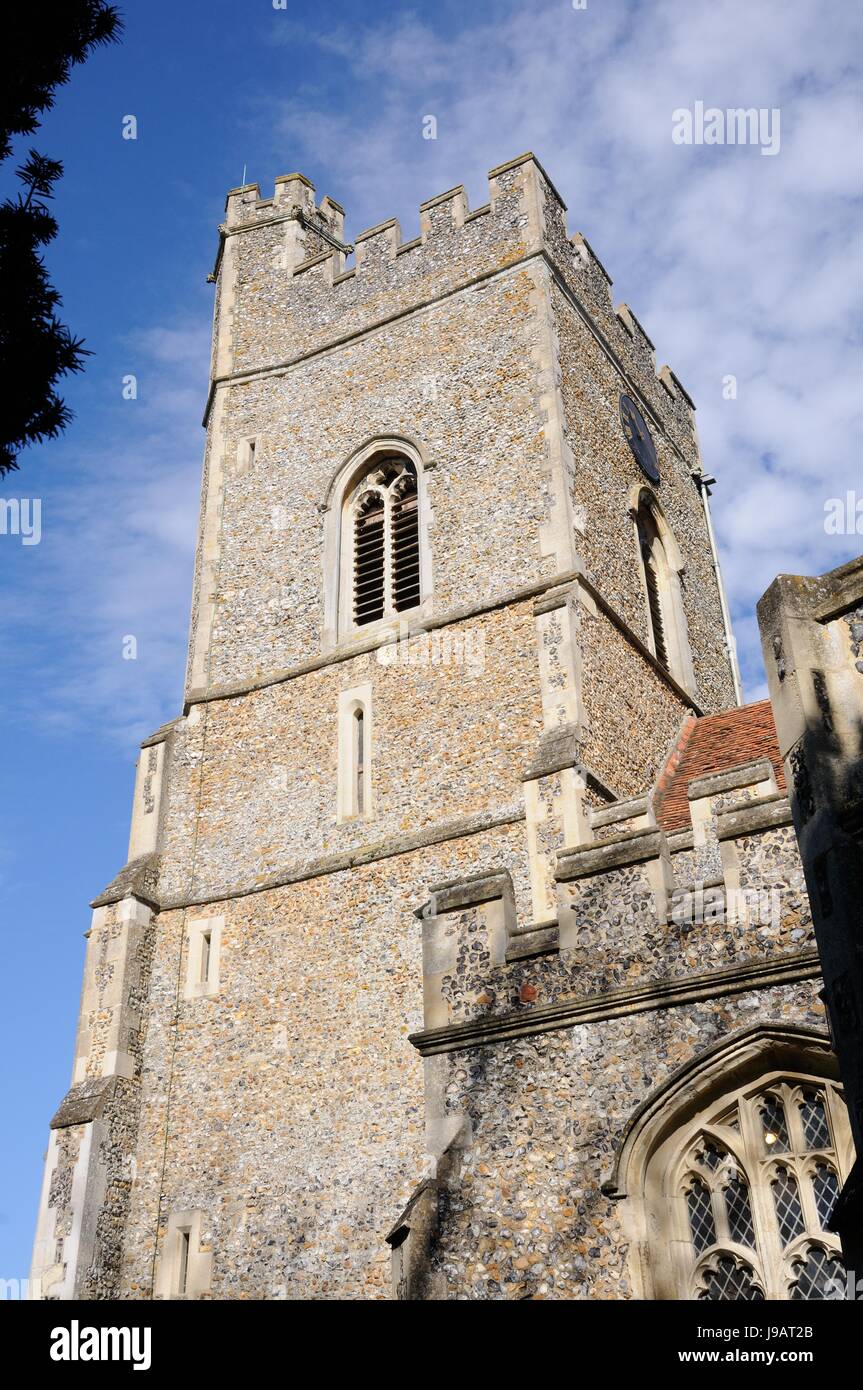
(645, 918)
(293, 198)
(297, 265)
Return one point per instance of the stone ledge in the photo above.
(162, 732)
(765, 814)
(137, 879)
(665, 994)
(553, 599)
(631, 847)
(84, 1102)
(730, 779)
(456, 829)
(346, 651)
(533, 941)
(557, 749)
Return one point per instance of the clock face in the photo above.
(638, 438)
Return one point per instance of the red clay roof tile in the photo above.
(710, 744)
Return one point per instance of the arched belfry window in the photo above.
(661, 569)
(383, 570)
(376, 557)
(737, 1195)
(655, 565)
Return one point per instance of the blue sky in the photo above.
(737, 263)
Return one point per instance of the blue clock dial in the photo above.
(638, 438)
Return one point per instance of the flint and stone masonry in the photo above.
(411, 1050)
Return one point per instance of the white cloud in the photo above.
(117, 550)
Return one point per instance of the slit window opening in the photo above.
(359, 762)
(183, 1262)
(206, 955)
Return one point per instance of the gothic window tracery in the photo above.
(382, 517)
(758, 1182)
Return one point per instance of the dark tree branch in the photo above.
(36, 349)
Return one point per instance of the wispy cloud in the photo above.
(116, 554)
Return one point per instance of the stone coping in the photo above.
(162, 732)
(557, 749)
(539, 940)
(730, 779)
(620, 810)
(136, 879)
(84, 1102)
(469, 891)
(630, 847)
(764, 814)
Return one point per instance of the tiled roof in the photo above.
(710, 744)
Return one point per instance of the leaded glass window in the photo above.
(701, 1223)
(825, 1185)
(730, 1279)
(757, 1184)
(820, 1274)
(786, 1200)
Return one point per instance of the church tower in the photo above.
(456, 605)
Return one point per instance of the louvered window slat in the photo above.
(656, 614)
(406, 550)
(386, 552)
(369, 562)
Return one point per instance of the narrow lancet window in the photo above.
(359, 763)
(206, 948)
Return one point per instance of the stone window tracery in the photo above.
(382, 517)
(758, 1182)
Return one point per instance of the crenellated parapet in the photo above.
(645, 919)
(290, 284)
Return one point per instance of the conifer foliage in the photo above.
(42, 44)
